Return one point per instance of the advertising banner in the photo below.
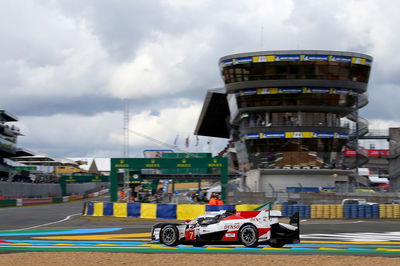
(314, 58)
(371, 153)
(287, 57)
(344, 59)
(243, 60)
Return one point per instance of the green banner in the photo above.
(26, 168)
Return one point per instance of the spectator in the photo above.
(213, 200)
(219, 201)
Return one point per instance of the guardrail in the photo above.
(190, 211)
(157, 211)
(38, 201)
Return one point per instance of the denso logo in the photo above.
(231, 226)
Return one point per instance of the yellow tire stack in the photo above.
(389, 211)
(382, 211)
(333, 214)
(396, 211)
(339, 211)
(326, 211)
(314, 211)
(320, 211)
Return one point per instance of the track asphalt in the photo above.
(129, 240)
(59, 227)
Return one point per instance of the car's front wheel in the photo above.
(248, 236)
(169, 235)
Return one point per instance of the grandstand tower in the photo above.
(290, 110)
(8, 143)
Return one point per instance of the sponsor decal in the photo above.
(315, 58)
(323, 135)
(248, 92)
(264, 91)
(152, 163)
(289, 57)
(371, 153)
(368, 62)
(230, 235)
(232, 226)
(297, 134)
(183, 164)
(215, 163)
(243, 60)
(227, 62)
(340, 91)
(262, 59)
(273, 135)
(289, 90)
(121, 164)
(318, 90)
(344, 59)
(253, 136)
(343, 135)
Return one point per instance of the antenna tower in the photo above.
(126, 128)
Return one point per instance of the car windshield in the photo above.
(206, 220)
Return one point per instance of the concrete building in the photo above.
(289, 115)
(394, 158)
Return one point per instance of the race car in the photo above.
(250, 228)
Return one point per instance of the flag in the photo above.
(176, 141)
(187, 142)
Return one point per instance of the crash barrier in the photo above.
(361, 211)
(303, 210)
(8, 202)
(36, 201)
(389, 211)
(157, 211)
(189, 211)
(338, 211)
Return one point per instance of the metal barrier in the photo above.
(189, 211)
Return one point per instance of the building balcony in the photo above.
(262, 126)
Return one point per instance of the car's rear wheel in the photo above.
(169, 235)
(248, 236)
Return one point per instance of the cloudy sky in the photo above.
(67, 65)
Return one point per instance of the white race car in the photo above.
(250, 228)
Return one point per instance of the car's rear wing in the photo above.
(295, 219)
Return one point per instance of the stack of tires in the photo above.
(303, 210)
(361, 211)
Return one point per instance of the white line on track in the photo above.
(40, 225)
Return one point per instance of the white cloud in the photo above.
(101, 135)
(55, 52)
(163, 66)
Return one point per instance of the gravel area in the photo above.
(107, 258)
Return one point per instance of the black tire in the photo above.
(248, 236)
(169, 235)
(278, 244)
